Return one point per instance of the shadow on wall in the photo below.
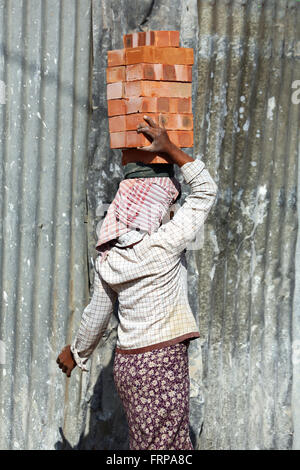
(103, 411)
(108, 428)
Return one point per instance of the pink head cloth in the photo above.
(139, 203)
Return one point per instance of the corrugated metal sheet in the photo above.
(249, 135)
(44, 57)
(245, 389)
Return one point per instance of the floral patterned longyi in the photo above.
(154, 389)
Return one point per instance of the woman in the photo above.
(146, 270)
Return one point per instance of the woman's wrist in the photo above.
(178, 156)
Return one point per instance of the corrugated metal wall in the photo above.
(44, 64)
(244, 390)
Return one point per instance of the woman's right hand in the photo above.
(161, 143)
(157, 132)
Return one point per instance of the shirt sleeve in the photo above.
(94, 320)
(188, 220)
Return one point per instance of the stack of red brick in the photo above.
(151, 75)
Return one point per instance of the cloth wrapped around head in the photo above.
(140, 203)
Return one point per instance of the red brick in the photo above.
(135, 155)
(137, 55)
(183, 105)
(127, 40)
(152, 38)
(174, 38)
(117, 124)
(144, 72)
(136, 39)
(169, 72)
(115, 90)
(115, 74)
(131, 139)
(179, 73)
(158, 89)
(177, 121)
(141, 105)
(169, 55)
(117, 140)
(116, 57)
(116, 107)
(152, 71)
(183, 73)
(134, 72)
(164, 104)
(134, 105)
(141, 39)
(133, 89)
(130, 122)
(166, 38)
(159, 55)
(182, 138)
(167, 105)
(122, 124)
(185, 121)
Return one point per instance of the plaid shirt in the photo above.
(150, 281)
